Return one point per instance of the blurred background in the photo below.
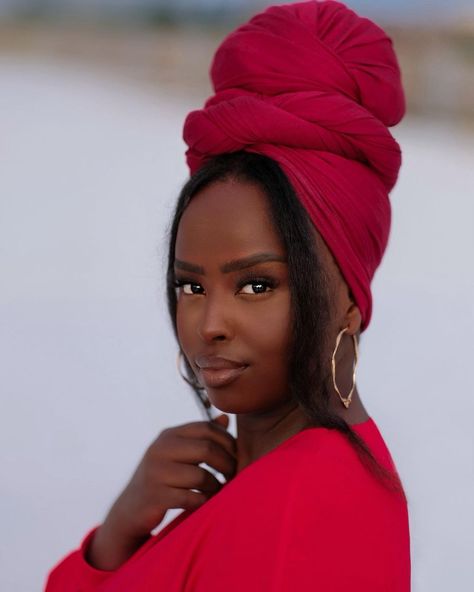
(92, 102)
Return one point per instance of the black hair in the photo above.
(310, 290)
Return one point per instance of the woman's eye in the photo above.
(256, 287)
(189, 288)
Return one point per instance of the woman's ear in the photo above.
(353, 319)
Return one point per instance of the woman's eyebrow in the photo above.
(234, 265)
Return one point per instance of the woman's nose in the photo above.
(215, 323)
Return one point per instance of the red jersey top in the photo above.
(308, 515)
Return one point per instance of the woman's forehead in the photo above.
(227, 216)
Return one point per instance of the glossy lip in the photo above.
(218, 362)
(213, 378)
(217, 372)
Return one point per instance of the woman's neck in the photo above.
(257, 434)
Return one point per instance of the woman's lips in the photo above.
(217, 377)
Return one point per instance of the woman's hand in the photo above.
(169, 472)
(168, 476)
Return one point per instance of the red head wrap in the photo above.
(313, 86)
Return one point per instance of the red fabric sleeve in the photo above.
(74, 574)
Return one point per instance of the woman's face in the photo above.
(233, 310)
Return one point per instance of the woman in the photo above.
(274, 242)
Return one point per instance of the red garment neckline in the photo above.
(361, 426)
(356, 426)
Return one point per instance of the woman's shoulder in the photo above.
(325, 483)
(317, 456)
(316, 479)
(321, 444)
(331, 501)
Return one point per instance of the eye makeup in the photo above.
(265, 281)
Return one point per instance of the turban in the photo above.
(314, 87)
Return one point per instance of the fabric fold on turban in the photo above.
(315, 87)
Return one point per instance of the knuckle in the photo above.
(182, 498)
(152, 454)
(149, 455)
(198, 498)
(166, 434)
(203, 477)
(207, 448)
(193, 426)
(192, 499)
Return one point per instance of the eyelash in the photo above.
(264, 281)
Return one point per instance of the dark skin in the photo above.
(221, 313)
(233, 306)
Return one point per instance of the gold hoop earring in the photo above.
(195, 385)
(346, 401)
